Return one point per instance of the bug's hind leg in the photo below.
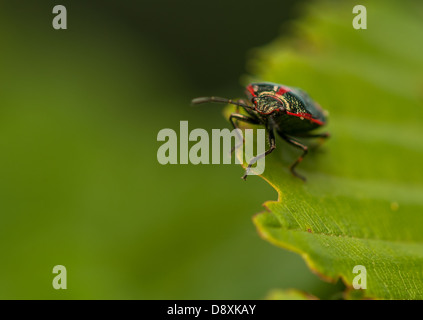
(324, 135)
(301, 146)
(272, 143)
(240, 117)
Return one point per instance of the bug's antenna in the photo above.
(220, 100)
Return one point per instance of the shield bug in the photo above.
(287, 111)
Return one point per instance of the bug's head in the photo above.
(267, 103)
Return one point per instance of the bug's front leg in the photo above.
(300, 158)
(272, 143)
(240, 117)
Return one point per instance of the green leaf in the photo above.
(289, 294)
(363, 201)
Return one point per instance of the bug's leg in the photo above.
(272, 143)
(324, 135)
(300, 158)
(243, 118)
(237, 106)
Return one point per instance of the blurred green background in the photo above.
(80, 110)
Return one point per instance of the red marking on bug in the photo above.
(307, 116)
(282, 90)
(250, 89)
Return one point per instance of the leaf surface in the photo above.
(363, 201)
